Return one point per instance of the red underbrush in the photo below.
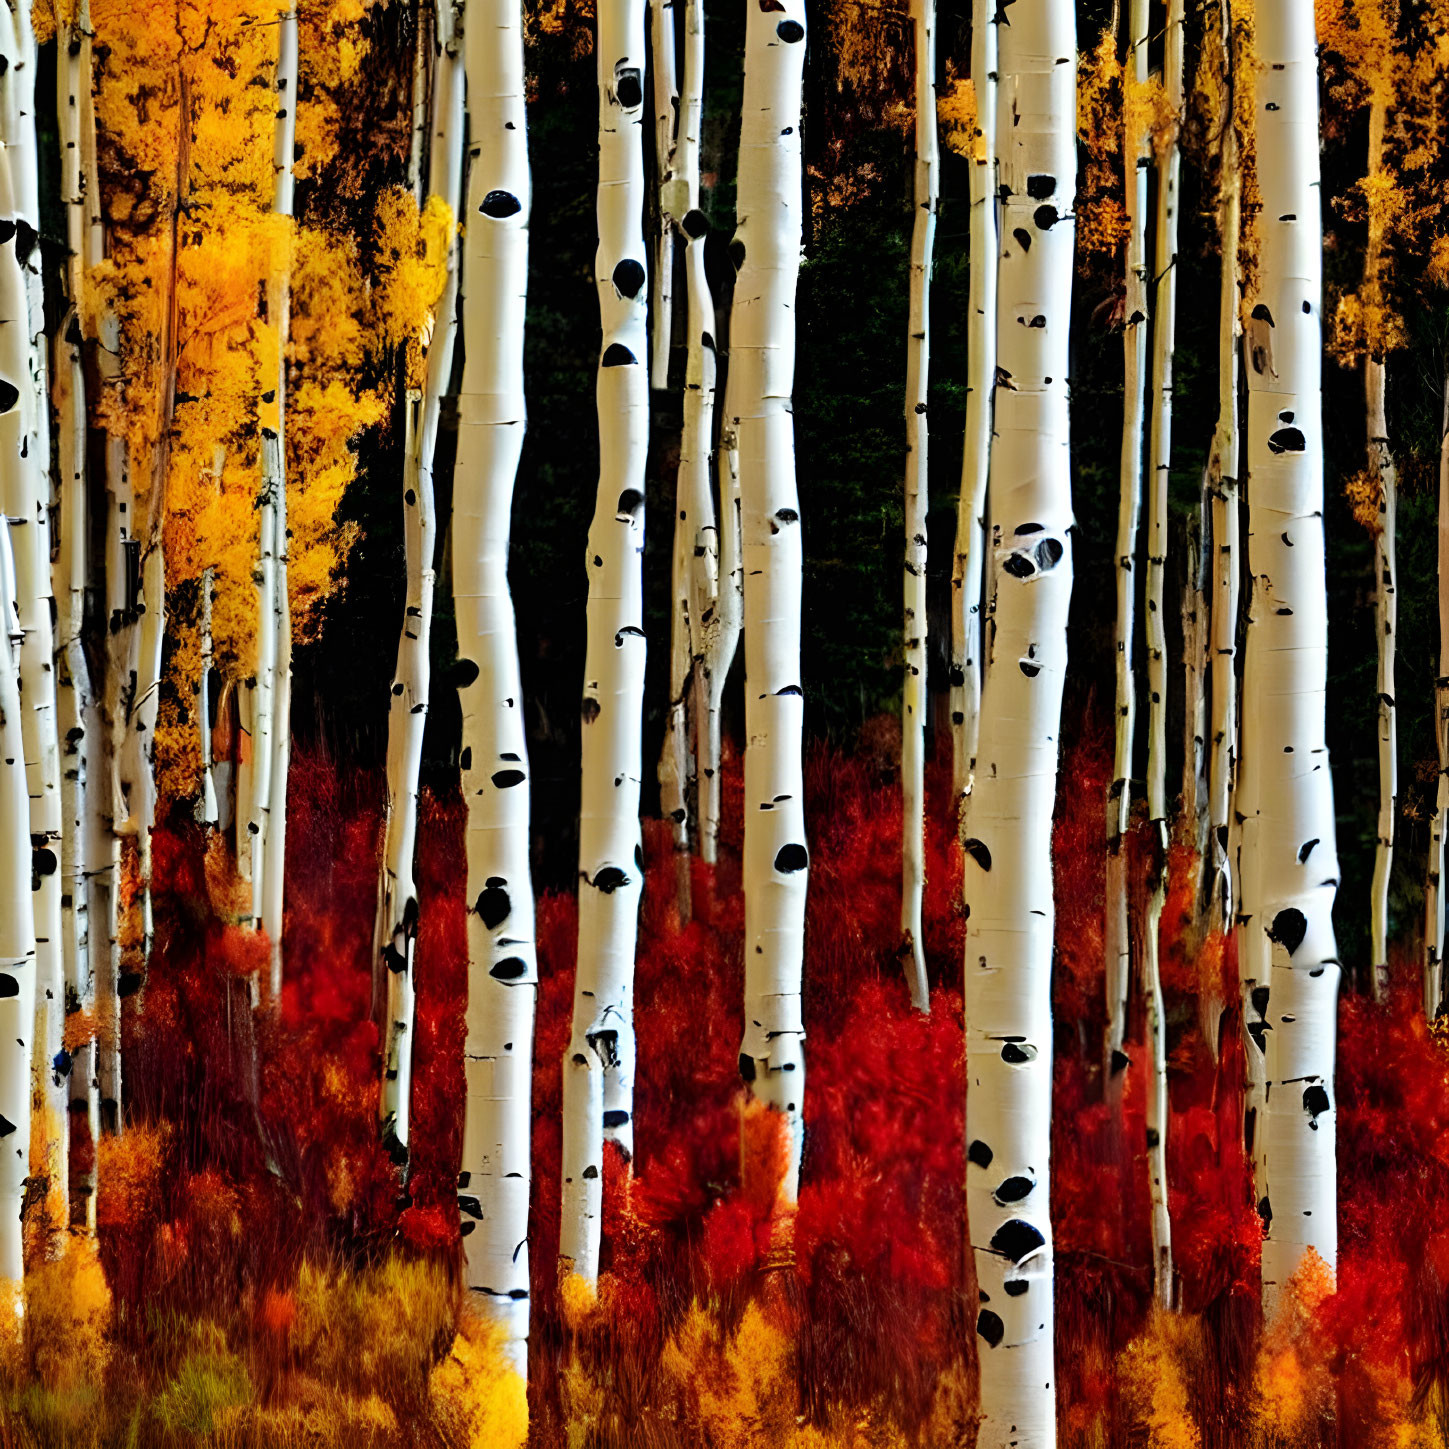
(263, 1274)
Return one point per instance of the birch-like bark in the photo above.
(493, 1183)
(408, 711)
(1118, 937)
(1386, 609)
(664, 84)
(917, 505)
(1290, 859)
(1434, 887)
(766, 251)
(17, 920)
(967, 568)
(598, 1067)
(1160, 466)
(206, 809)
(1223, 491)
(1008, 860)
(721, 640)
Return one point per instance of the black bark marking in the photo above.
(630, 500)
(1049, 553)
(9, 986)
(590, 1173)
(6, 1126)
(500, 204)
(1014, 1189)
(471, 1206)
(45, 861)
(1045, 217)
(737, 253)
(1306, 850)
(1315, 1103)
(1287, 440)
(790, 858)
(1262, 314)
(506, 779)
(129, 983)
(615, 1117)
(511, 968)
(695, 224)
(1017, 1239)
(787, 515)
(790, 31)
(1023, 237)
(493, 904)
(1289, 928)
(747, 1067)
(1015, 1287)
(1019, 566)
(9, 395)
(990, 1327)
(979, 1153)
(1040, 187)
(1259, 997)
(1265, 1210)
(1120, 1061)
(590, 710)
(617, 355)
(610, 879)
(1029, 668)
(1015, 1053)
(628, 277)
(628, 88)
(465, 672)
(978, 852)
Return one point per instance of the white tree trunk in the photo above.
(17, 921)
(493, 1183)
(1386, 609)
(1290, 864)
(917, 505)
(1118, 938)
(968, 566)
(1008, 879)
(664, 84)
(598, 1091)
(408, 710)
(1434, 887)
(766, 249)
(1164, 332)
(721, 639)
(1223, 489)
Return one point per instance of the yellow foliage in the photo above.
(1100, 213)
(1294, 1390)
(128, 1170)
(477, 1396)
(1365, 494)
(67, 1320)
(577, 1300)
(956, 114)
(1150, 1371)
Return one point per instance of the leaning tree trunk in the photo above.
(493, 1183)
(1118, 940)
(1169, 165)
(766, 251)
(967, 571)
(598, 1095)
(397, 915)
(17, 921)
(1290, 858)
(1434, 888)
(1223, 490)
(917, 505)
(1008, 859)
(1386, 613)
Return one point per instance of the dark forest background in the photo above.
(850, 442)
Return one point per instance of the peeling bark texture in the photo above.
(917, 505)
(493, 1177)
(1290, 858)
(664, 79)
(1008, 863)
(1223, 493)
(968, 566)
(598, 1066)
(1386, 609)
(1118, 934)
(766, 246)
(397, 913)
(1434, 887)
(17, 920)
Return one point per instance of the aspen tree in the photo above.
(1164, 313)
(494, 1176)
(917, 504)
(664, 85)
(1434, 888)
(408, 709)
(967, 569)
(598, 1068)
(26, 498)
(1118, 939)
(1223, 488)
(1008, 863)
(1289, 854)
(766, 253)
(17, 920)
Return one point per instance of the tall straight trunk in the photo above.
(1164, 331)
(967, 569)
(1290, 858)
(1386, 612)
(493, 1183)
(17, 920)
(397, 917)
(1223, 491)
(1434, 887)
(1118, 938)
(766, 252)
(917, 505)
(722, 638)
(1008, 860)
(664, 85)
